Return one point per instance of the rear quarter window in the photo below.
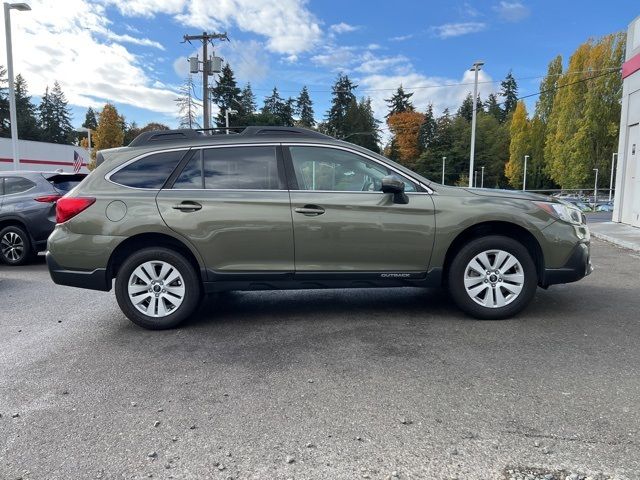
(14, 185)
(64, 183)
(151, 171)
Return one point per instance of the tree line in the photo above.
(573, 129)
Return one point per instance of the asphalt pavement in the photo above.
(391, 383)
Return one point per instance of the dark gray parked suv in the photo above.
(28, 211)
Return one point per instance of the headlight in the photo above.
(563, 211)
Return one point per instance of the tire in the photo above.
(157, 288)
(15, 246)
(499, 291)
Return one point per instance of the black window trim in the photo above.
(282, 177)
(421, 188)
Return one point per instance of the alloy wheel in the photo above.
(12, 246)
(156, 288)
(494, 278)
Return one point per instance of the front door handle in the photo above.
(188, 206)
(310, 210)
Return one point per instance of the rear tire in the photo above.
(15, 246)
(157, 288)
(492, 278)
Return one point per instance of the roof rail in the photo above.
(181, 135)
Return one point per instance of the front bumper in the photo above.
(578, 266)
(96, 279)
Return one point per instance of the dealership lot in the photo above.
(321, 384)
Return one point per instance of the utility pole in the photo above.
(444, 160)
(475, 68)
(208, 68)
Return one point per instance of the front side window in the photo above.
(13, 185)
(330, 169)
(232, 168)
(151, 171)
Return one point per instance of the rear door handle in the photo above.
(188, 206)
(310, 210)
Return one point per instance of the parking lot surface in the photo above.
(322, 384)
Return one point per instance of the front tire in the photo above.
(15, 246)
(492, 278)
(157, 288)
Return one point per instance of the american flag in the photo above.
(77, 162)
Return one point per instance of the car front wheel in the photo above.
(157, 288)
(492, 278)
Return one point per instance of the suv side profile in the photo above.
(179, 213)
(28, 212)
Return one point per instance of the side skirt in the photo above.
(248, 281)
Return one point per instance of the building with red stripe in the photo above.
(42, 156)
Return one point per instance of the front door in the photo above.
(233, 205)
(343, 222)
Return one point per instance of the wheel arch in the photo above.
(147, 240)
(507, 229)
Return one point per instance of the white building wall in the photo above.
(627, 199)
(42, 156)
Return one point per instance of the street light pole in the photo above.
(444, 160)
(595, 190)
(614, 159)
(482, 178)
(12, 92)
(228, 111)
(475, 178)
(524, 176)
(475, 68)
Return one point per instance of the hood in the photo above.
(518, 194)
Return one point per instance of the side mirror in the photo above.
(392, 184)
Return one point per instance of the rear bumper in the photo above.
(93, 280)
(578, 266)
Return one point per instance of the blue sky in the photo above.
(129, 52)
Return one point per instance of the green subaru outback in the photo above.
(179, 213)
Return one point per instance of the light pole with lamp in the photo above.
(614, 159)
(482, 177)
(21, 7)
(228, 111)
(595, 190)
(524, 176)
(475, 68)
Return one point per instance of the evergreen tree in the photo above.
(427, 129)
(109, 132)
(248, 106)
(187, 108)
(466, 109)
(226, 95)
(363, 124)
(25, 112)
(55, 116)
(509, 94)
(342, 98)
(5, 127)
(131, 131)
(304, 109)
(492, 107)
(520, 145)
(399, 102)
(278, 109)
(90, 119)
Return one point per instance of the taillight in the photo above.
(69, 207)
(48, 198)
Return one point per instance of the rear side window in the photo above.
(13, 185)
(232, 168)
(148, 172)
(64, 183)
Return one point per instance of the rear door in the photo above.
(231, 202)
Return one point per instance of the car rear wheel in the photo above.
(15, 246)
(492, 278)
(157, 288)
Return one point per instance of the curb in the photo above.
(635, 246)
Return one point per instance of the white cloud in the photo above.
(145, 42)
(373, 64)
(248, 59)
(288, 26)
(402, 38)
(449, 30)
(343, 27)
(512, 11)
(75, 46)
